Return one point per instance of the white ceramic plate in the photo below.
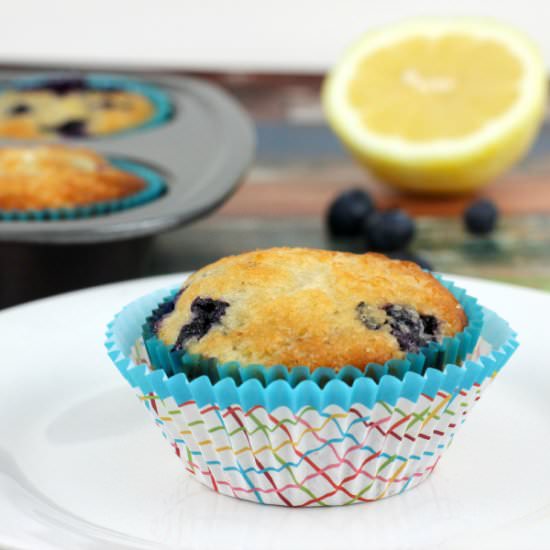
(83, 466)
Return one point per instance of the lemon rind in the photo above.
(527, 110)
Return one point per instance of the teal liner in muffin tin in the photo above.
(160, 100)
(155, 186)
(436, 355)
(295, 391)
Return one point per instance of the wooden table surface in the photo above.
(300, 166)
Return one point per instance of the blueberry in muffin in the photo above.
(36, 178)
(303, 307)
(70, 107)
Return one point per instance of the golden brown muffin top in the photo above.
(34, 178)
(295, 306)
(42, 113)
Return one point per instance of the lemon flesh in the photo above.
(438, 105)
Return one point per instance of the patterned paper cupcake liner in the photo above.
(304, 445)
(159, 99)
(437, 354)
(155, 186)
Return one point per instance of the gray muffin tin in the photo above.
(202, 152)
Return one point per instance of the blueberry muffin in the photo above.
(301, 307)
(36, 178)
(70, 107)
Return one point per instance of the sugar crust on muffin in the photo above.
(295, 306)
(34, 178)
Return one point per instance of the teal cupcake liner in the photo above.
(155, 186)
(160, 100)
(497, 342)
(436, 355)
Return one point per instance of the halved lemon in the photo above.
(438, 105)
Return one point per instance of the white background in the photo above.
(255, 35)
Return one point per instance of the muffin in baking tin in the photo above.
(53, 177)
(77, 107)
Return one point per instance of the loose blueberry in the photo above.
(347, 213)
(480, 218)
(72, 128)
(410, 257)
(19, 109)
(411, 329)
(206, 313)
(390, 230)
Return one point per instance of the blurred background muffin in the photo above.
(74, 107)
(36, 178)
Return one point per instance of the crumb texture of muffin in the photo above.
(71, 108)
(305, 307)
(36, 178)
